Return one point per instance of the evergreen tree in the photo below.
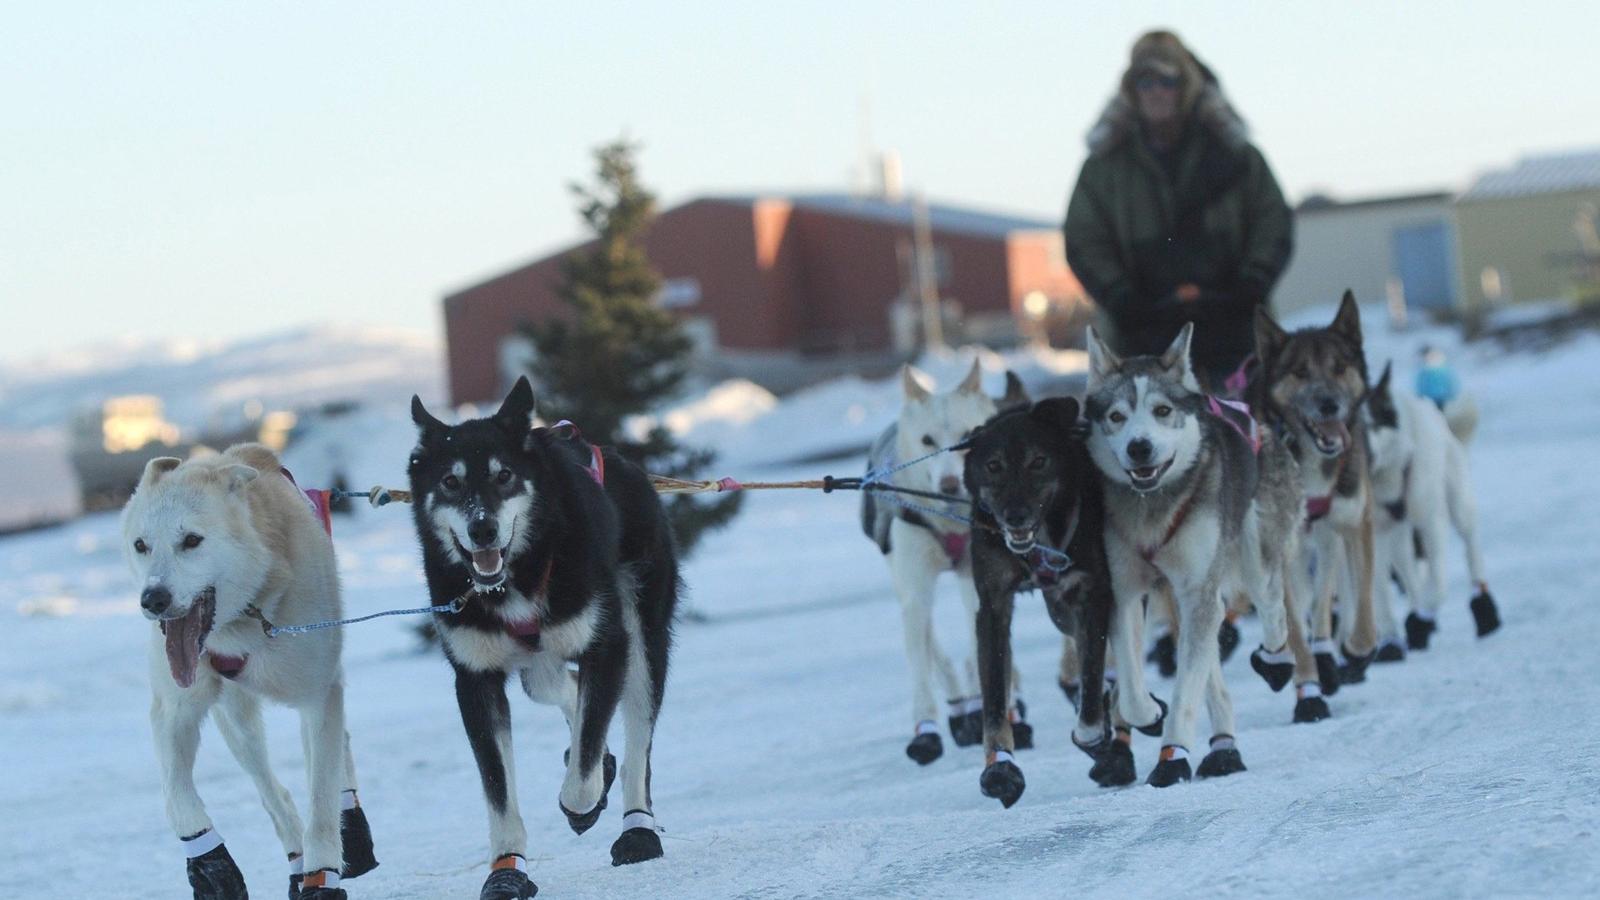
(617, 354)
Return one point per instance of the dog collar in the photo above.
(1149, 552)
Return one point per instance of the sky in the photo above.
(204, 169)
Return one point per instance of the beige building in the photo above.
(1528, 233)
(1374, 247)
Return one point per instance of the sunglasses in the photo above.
(1150, 81)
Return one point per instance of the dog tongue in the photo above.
(1335, 430)
(183, 645)
(487, 562)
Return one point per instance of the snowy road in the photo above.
(1471, 770)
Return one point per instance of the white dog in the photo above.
(221, 545)
(1419, 477)
(919, 545)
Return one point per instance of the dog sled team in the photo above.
(1153, 498)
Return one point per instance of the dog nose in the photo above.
(483, 531)
(1328, 407)
(950, 484)
(155, 600)
(1016, 518)
(1139, 450)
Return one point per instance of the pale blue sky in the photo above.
(216, 169)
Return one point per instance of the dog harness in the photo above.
(1237, 415)
(317, 499)
(597, 462)
(1047, 571)
(1397, 509)
(954, 543)
(1319, 507)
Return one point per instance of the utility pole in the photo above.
(926, 274)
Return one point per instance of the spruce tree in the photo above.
(617, 354)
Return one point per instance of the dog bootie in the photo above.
(581, 822)
(1021, 731)
(1165, 655)
(966, 721)
(1310, 707)
(639, 841)
(1418, 631)
(1224, 758)
(1154, 728)
(1113, 760)
(1484, 612)
(357, 837)
(1002, 780)
(322, 885)
(1354, 670)
(1227, 639)
(1173, 767)
(925, 746)
(1391, 651)
(1276, 667)
(1327, 666)
(508, 880)
(213, 875)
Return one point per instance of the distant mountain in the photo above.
(207, 383)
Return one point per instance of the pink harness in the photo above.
(597, 463)
(1249, 428)
(317, 499)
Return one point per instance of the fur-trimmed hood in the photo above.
(1203, 100)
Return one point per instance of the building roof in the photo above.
(1550, 174)
(941, 217)
(1320, 203)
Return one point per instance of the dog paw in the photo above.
(1227, 639)
(1224, 759)
(1391, 651)
(508, 884)
(1172, 768)
(1327, 673)
(356, 835)
(966, 729)
(636, 845)
(1002, 780)
(323, 893)
(1154, 728)
(214, 876)
(925, 748)
(1164, 653)
(1311, 708)
(1276, 669)
(1354, 670)
(1418, 631)
(1485, 613)
(1113, 765)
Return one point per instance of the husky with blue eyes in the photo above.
(1203, 505)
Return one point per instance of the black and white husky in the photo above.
(556, 552)
(1201, 504)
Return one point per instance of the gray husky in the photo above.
(1199, 503)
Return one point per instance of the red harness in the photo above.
(1149, 552)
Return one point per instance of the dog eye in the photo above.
(139, 546)
(1117, 418)
(451, 483)
(1163, 411)
(927, 441)
(1036, 463)
(191, 541)
(993, 466)
(504, 477)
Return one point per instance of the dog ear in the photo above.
(1176, 357)
(1270, 337)
(1016, 395)
(973, 383)
(911, 380)
(1382, 387)
(1348, 321)
(238, 475)
(155, 468)
(1057, 414)
(1101, 360)
(424, 419)
(516, 413)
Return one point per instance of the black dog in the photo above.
(1037, 523)
(554, 552)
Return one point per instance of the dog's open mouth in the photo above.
(186, 636)
(1020, 540)
(1145, 478)
(1329, 436)
(488, 566)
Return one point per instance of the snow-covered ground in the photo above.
(1471, 770)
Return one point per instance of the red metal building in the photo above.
(786, 289)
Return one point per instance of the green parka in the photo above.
(1209, 214)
